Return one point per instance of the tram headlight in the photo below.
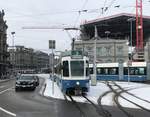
(77, 83)
(87, 84)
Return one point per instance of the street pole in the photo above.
(130, 59)
(52, 46)
(131, 28)
(128, 73)
(13, 52)
(52, 70)
(95, 58)
(131, 38)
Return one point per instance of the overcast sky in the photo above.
(20, 13)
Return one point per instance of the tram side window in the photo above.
(135, 71)
(132, 71)
(113, 71)
(100, 71)
(107, 71)
(125, 71)
(65, 69)
(142, 71)
(91, 70)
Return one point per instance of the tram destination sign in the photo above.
(76, 54)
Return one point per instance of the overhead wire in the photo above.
(86, 1)
(81, 10)
(112, 2)
(105, 7)
(105, 2)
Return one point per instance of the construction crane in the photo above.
(66, 28)
(139, 31)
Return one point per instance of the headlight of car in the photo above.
(17, 82)
(32, 81)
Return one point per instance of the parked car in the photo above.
(25, 82)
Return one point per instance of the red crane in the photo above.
(139, 30)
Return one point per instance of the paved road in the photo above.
(32, 104)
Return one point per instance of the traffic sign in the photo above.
(51, 44)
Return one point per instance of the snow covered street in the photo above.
(138, 93)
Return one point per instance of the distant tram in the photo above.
(119, 72)
(72, 72)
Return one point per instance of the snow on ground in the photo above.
(138, 89)
(46, 76)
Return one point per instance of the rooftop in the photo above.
(115, 27)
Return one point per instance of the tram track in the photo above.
(117, 101)
(99, 109)
(125, 91)
(118, 94)
(77, 106)
(105, 112)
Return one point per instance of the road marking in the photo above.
(5, 90)
(8, 112)
(4, 110)
(3, 86)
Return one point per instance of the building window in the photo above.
(99, 51)
(120, 50)
(89, 49)
(108, 61)
(108, 51)
(104, 51)
(120, 60)
(79, 49)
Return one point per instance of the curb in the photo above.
(6, 80)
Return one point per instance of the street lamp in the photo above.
(13, 52)
(131, 20)
(93, 79)
(107, 33)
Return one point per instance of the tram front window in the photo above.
(77, 68)
(65, 69)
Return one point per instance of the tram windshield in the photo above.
(77, 68)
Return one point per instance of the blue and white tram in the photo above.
(119, 72)
(108, 71)
(137, 72)
(73, 72)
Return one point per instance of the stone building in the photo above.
(106, 50)
(3, 46)
(117, 27)
(28, 58)
(42, 59)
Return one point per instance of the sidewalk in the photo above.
(6, 79)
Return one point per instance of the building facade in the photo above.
(42, 60)
(3, 46)
(118, 27)
(106, 50)
(27, 59)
